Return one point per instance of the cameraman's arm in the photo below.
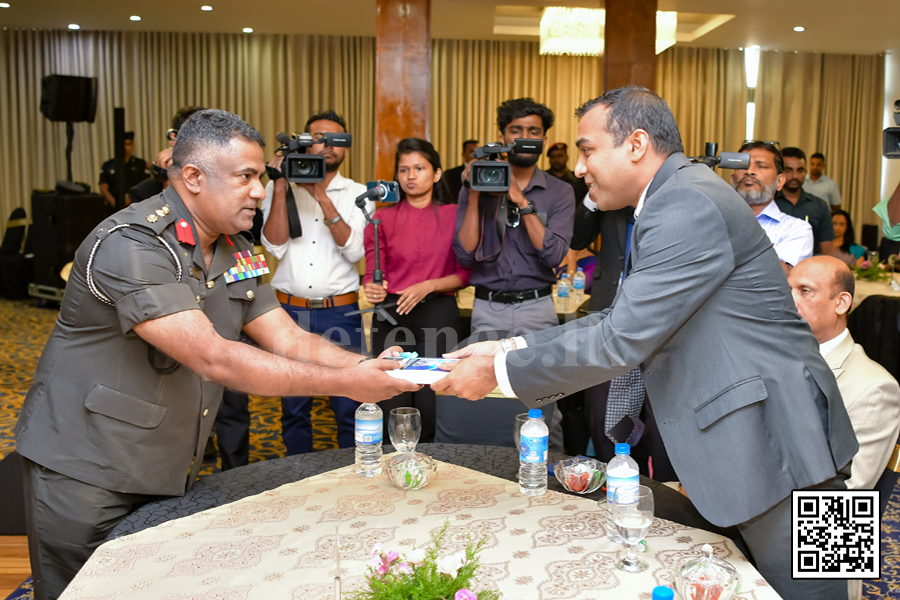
(469, 230)
(340, 231)
(532, 222)
(275, 229)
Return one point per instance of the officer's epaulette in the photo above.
(156, 213)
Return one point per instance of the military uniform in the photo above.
(136, 171)
(107, 409)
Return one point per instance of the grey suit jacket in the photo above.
(747, 407)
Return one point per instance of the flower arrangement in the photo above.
(423, 575)
(871, 271)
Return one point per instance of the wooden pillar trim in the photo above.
(629, 57)
(402, 77)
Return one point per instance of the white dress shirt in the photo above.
(500, 372)
(313, 265)
(791, 237)
(830, 345)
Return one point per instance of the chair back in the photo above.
(15, 232)
(888, 479)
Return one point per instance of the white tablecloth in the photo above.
(864, 289)
(280, 544)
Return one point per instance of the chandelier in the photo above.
(579, 31)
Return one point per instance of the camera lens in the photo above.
(303, 168)
(490, 176)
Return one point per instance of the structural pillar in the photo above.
(629, 55)
(402, 77)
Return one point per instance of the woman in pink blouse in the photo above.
(420, 270)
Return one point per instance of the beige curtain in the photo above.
(707, 92)
(788, 98)
(849, 132)
(470, 78)
(273, 82)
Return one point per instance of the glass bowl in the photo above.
(706, 577)
(580, 475)
(411, 470)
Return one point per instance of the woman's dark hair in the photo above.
(849, 234)
(440, 194)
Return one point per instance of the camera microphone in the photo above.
(283, 138)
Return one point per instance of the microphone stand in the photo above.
(377, 273)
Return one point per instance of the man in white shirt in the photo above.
(791, 237)
(819, 184)
(316, 281)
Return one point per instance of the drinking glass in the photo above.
(405, 427)
(632, 511)
(520, 420)
(873, 257)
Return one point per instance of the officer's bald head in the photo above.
(823, 287)
(205, 136)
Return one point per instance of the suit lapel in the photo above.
(839, 354)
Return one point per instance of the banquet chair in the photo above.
(888, 479)
(875, 325)
(16, 264)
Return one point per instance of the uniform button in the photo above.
(250, 294)
(205, 411)
(197, 298)
(210, 284)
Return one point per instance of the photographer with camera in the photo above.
(318, 244)
(513, 255)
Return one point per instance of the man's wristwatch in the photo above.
(531, 209)
(508, 345)
(334, 221)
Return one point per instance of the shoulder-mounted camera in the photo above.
(300, 167)
(493, 175)
(724, 160)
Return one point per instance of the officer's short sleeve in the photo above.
(135, 270)
(263, 302)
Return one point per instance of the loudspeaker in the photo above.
(68, 98)
(59, 223)
(869, 238)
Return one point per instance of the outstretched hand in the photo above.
(472, 378)
(371, 383)
(489, 348)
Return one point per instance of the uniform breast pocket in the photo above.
(737, 396)
(240, 295)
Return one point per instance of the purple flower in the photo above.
(465, 594)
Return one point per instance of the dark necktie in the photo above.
(626, 392)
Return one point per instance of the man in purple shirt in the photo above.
(513, 276)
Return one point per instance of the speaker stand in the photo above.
(70, 135)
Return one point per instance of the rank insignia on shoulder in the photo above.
(152, 218)
(247, 267)
(160, 212)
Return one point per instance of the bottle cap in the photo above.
(580, 269)
(535, 413)
(662, 592)
(623, 449)
(565, 276)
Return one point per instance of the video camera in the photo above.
(891, 143)
(493, 175)
(300, 167)
(725, 160)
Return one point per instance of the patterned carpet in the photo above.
(24, 330)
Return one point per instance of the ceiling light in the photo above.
(799, 29)
(4, 4)
(580, 31)
(751, 66)
(134, 18)
(74, 26)
(206, 7)
(248, 30)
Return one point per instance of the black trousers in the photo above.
(67, 520)
(431, 329)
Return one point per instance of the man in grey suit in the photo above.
(746, 406)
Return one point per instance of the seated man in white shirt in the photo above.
(823, 292)
(791, 237)
(316, 281)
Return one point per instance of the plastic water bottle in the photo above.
(534, 437)
(621, 470)
(562, 292)
(369, 424)
(578, 281)
(662, 592)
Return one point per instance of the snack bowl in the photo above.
(580, 475)
(411, 470)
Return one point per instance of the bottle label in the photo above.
(562, 292)
(578, 284)
(369, 432)
(533, 449)
(613, 482)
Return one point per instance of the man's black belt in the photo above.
(511, 297)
